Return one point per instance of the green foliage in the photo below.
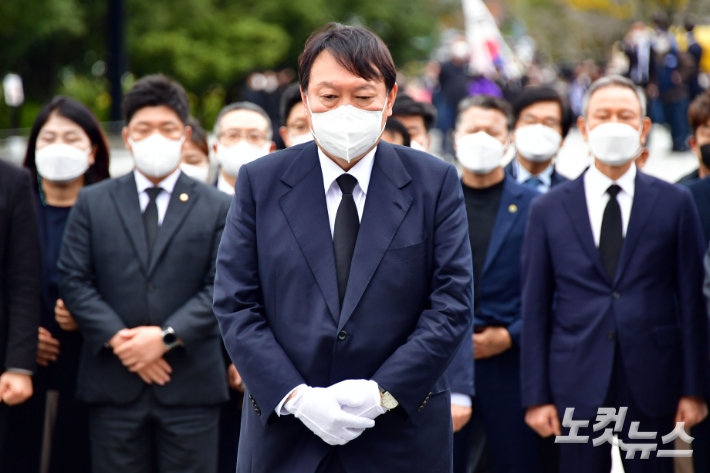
(207, 45)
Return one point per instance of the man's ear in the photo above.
(272, 148)
(693, 144)
(582, 126)
(645, 129)
(283, 133)
(124, 135)
(214, 148)
(188, 135)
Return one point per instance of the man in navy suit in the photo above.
(344, 281)
(497, 209)
(613, 312)
(542, 121)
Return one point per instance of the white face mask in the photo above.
(300, 139)
(232, 158)
(614, 144)
(156, 156)
(347, 132)
(537, 143)
(61, 163)
(199, 173)
(416, 145)
(479, 152)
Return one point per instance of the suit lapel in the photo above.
(174, 216)
(125, 197)
(385, 208)
(504, 221)
(307, 214)
(576, 206)
(645, 195)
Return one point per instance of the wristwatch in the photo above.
(170, 338)
(388, 401)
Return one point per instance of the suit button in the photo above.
(150, 288)
(342, 335)
(611, 336)
(615, 295)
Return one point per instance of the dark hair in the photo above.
(487, 102)
(357, 49)
(198, 137)
(699, 111)
(289, 99)
(532, 95)
(78, 113)
(154, 90)
(395, 126)
(406, 106)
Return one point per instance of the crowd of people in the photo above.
(351, 303)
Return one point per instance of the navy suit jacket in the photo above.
(555, 179)
(701, 195)
(499, 303)
(653, 311)
(406, 309)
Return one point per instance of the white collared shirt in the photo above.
(595, 191)
(224, 186)
(333, 195)
(522, 175)
(163, 199)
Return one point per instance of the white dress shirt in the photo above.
(595, 187)
(333, 195)
(224, 186)
(163, 199)
(522, 175)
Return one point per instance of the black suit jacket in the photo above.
(555, 179)
(108, 284)
(20, 270)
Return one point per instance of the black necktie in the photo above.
(347, 223)
(150, 218)
(612, 237)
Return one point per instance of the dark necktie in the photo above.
(347, 223)
(611, 237)
(150, 218)
(533, 182)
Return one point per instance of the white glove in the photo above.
(360, 397)
(318, 409)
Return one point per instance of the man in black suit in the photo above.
(542, 121)
(699, 117)
(19, 288)
(137, 267)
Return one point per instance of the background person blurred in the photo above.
(294, 129)
(418, 117)
(496, 208)
(542, 121)
(699, 117)
(137, 273)
(694, 54)
(66, 151)
(20, 280)
(243, 132)
(195, 161)
(602, 282)
(671, 74)
(396, 133)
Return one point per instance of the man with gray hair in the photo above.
(243, 132)
(613, 309)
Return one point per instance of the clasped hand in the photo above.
(141, 350)
(340, 413)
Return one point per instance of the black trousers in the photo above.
(331, 463)
(585, 458)
(146, 436)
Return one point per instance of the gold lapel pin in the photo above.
(184, 197)
(512, 208)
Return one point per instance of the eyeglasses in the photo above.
(232, 137)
